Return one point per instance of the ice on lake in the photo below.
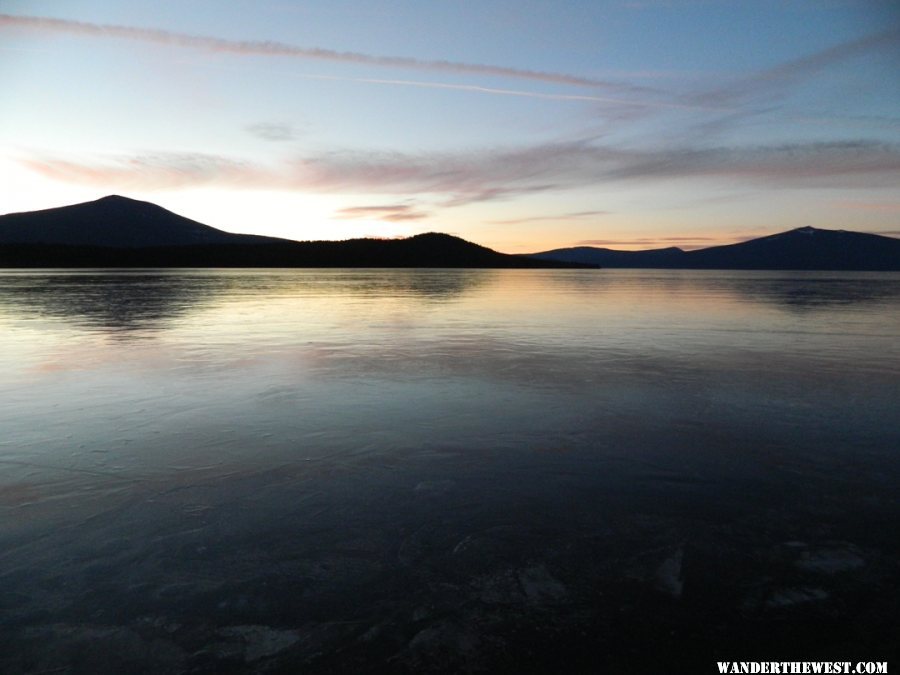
(446, 470)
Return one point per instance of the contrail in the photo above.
(512, 92)
(268, 48)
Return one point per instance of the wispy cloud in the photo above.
(770, 94)
(272, 131)
(845, 163)
(157, 171)
(858, 205)
(454, 179)
(270, 48)
(776, 81)
(665, 4)
(393, 213)
(557, 217)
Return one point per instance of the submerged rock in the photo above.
(669, 578)
(502, 588)
(788, 597)
(85, 648)
(259, 642)
(434, 488)
(446, 642)
(539, 586)
(832, 560)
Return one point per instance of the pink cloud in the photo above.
(561, 216)
(390, 212)
(160, 171)
(494, 174)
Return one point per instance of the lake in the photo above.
(446, 470)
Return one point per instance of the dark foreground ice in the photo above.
(277, 572)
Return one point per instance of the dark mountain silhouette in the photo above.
(120, 232)
(116, 222)
(607, 257)
(805, 248)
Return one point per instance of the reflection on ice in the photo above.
(136, 299)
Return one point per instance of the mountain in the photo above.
(120, 232)
(607, 257)
(116, 222)
(805, 248)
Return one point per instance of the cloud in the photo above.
(460, 177)
(874, 121)
(492, 194)
(827, 164)
(157, 171)
(561, 216)
(495, 174)
(393, 213)
(488, 174)
(272, 131)
(765, 95)
(269, 48)
(774, 82)
(857, 205)
(663, 4)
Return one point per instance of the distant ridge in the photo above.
(607, 257)
(117, 231)
(804, 248)
(120, 232)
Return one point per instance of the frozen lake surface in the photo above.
(446, 470)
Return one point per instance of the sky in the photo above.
(520, 125)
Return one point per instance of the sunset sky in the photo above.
(519, 125)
